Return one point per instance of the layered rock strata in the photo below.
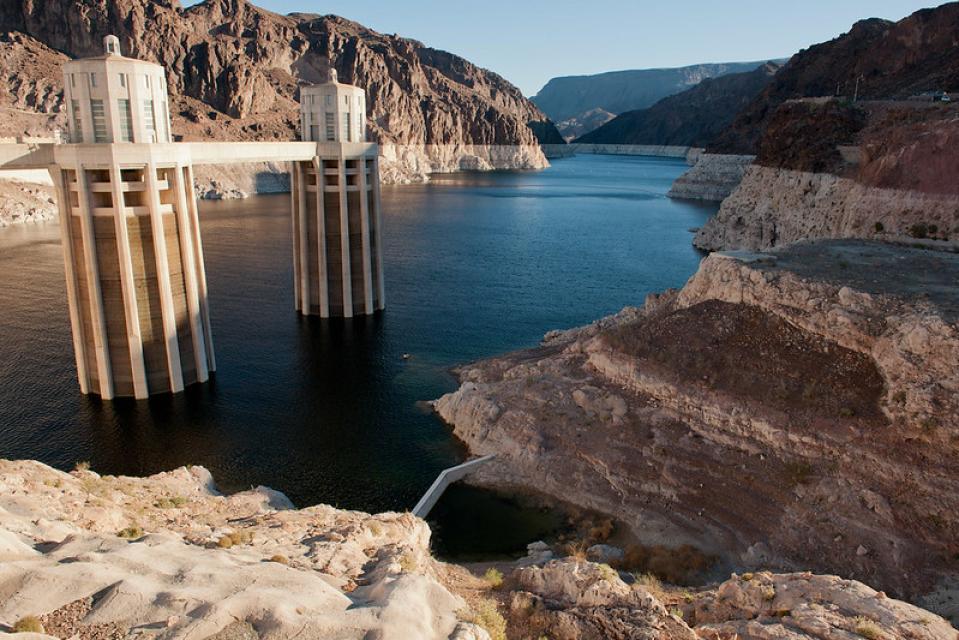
(713, 177)
(828, 169)
(773, 207)
(791, 410)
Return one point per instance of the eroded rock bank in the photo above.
(90, 557)
(796, 410)
(713, 177)
(829, 169)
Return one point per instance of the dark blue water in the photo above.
(326, 411)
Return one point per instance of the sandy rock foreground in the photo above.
(99, 557)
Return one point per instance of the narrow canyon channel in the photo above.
(331, 411)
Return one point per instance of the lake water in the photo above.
(329, 411)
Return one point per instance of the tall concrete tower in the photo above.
(131, 239)
(337, 244)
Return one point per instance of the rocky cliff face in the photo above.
(692, 118)
(233, 70)
(876, 59)
(791, 410)
(713, 177)
(826, 169)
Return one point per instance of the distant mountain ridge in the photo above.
(569, 97)
(692, 118)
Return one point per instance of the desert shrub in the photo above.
(652, 584)
(82, 465)
(879, 227)
(867, 628)
(28, 624)
(280, 559)
(920, 230)
(493, 577)
(130, 533)
(408, 563)
(235, 539)
(170, 503)
(607, 573)
(486, 615)
(576, 550)
(768, 592)
(846, 412)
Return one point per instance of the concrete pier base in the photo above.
(136, 284)
(337, 257)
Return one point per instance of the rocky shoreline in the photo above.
(774, 207)
(785, 411)
(90, 557)
(713, 177)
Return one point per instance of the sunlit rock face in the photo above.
(233, 71)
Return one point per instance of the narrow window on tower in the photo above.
(126, 120)
(330, 127)
(149, 119)
(99, 121)
(77, 128)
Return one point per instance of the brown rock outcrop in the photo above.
(875, 60)
(792, 411)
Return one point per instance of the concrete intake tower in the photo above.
(129, 223)
(131, 238)
(337, 238)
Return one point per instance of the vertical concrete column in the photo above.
(347, 280)
(95, 294)
(361, 180)
(378, 229)
(303, 251)
(201, 268)
(69, 266)
(167, 311)
(128, 285)
(187, 255)
(295, 222)
(323, 284)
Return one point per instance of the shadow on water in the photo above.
(330, 411)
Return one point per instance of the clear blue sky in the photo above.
(530, 41)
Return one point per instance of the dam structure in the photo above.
(337, 238)
(136, 285)
(130, 232)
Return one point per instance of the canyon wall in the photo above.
(773, 207)
(234, 69)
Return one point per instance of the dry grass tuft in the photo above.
(486, 615)
(493, 577)
(28, 624)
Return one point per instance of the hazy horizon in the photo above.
(531, 42)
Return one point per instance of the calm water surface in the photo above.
(327, 411)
